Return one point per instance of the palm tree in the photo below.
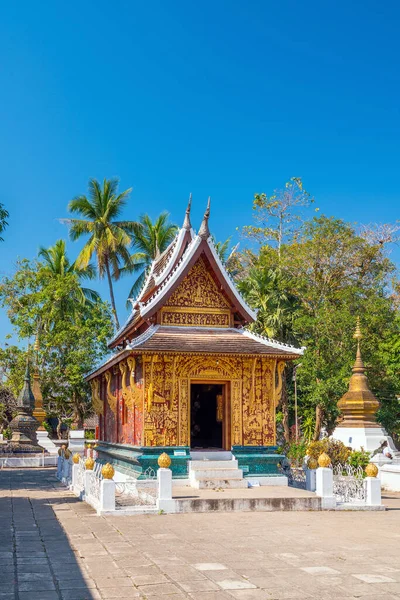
(109, 238)
(264, 290)
(57, 263)
(3, 219)
(149, 240)
(222, 248)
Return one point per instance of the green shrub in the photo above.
(89, 435)
(359, 458)
(336, 450)
(48, 427)
(7, 433)
(297, 452)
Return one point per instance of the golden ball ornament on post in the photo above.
(164, 461)
(324, 460)
(108, 471)
(312, 463)
(371, 470)
(75, 458)
(89, 463)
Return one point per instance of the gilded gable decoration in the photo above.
(198, 290)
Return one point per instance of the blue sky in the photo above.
(219, 98)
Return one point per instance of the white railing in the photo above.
(92, 495)
(349, 484)
(107, 496)
(347, 487)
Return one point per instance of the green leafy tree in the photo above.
(308, 286)
(109, 237)
(3, 219)
(336, 275)
(265, 290)
(150, 240)
(8, 407)
(73, 335)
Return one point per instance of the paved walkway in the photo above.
(53, 547)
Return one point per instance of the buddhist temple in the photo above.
(186, 375)
(358, 427)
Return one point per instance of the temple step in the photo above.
(199, 465)
(213, 474)
(215, 483)
(217, 473)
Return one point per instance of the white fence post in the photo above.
(107, 495)
(164, 490)
(324, 487)
(311, 479)
(373, 495)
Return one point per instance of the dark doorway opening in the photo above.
(205, 424)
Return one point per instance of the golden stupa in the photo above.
(359, 405)
(38, 412)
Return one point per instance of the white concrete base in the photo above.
(29, 461)
(278, 480)
(369, 438)
(167, 506)
(45, 442)
(211, 455)
(390, 477)
(76, 441)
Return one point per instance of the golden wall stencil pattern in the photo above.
(184, 398)
(161, 415)
(198, 290)
(236, 413)
(195, 319)
(250, 393)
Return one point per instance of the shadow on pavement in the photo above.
(37, 561)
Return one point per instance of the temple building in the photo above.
(187, 377)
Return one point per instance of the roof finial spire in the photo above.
(358, 365)
(186, 223)
(204, 232)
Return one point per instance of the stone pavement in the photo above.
(54, 547)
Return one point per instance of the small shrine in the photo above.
(358, 427)
(24, 425)
(187, 376)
